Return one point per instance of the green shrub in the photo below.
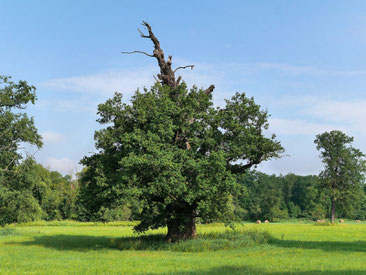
(18, 207)
(318, 213)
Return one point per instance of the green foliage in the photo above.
(122, 213)
(16, 206)
(34, 193)
(15, 127)
(264, 198)
(175, 153)
(318, 213)
(28, 191)
(278, 197)
(55, 193)
(16, 201)
(92, 206)
(344, 173)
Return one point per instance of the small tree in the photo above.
(344, 167)
(175, 152)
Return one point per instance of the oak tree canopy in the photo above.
(174, 151)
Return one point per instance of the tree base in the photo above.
(179, 230)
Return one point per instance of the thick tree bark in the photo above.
(332, 212)
(183, 224)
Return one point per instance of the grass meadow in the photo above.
(68, 247)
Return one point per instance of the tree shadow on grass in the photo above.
(68, 242)
(157, 242)
(85, 242)
(356, 246)
(153, 242)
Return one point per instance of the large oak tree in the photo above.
(174, 151)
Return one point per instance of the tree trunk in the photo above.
(182, 226)
(332, 212)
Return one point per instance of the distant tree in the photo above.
(175, 152)
(264, 196)
(16, 200)
(55, 193)
(345, 167)
(15, 126)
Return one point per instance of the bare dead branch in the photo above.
(142, 34)
(151, 36)
(178, 80)
(209, 90)
(169, 61)
(150, 55)
(166, 75)
(184, 67)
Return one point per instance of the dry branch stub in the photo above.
(167, 74)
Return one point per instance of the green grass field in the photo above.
(94, 248)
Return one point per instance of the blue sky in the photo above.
(304, 61)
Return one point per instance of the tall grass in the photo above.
(213, 241)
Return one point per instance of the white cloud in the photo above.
(52, 137)
(303, 70)
(345, 111)
(345, 115)
(128, 81)
(63, 165)
(223, 76)
(299, 127)
(288, 68)
(125, 81)
(302, 118)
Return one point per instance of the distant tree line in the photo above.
(275, 197)
(34, 192)
(28, 191)
(37, 193)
